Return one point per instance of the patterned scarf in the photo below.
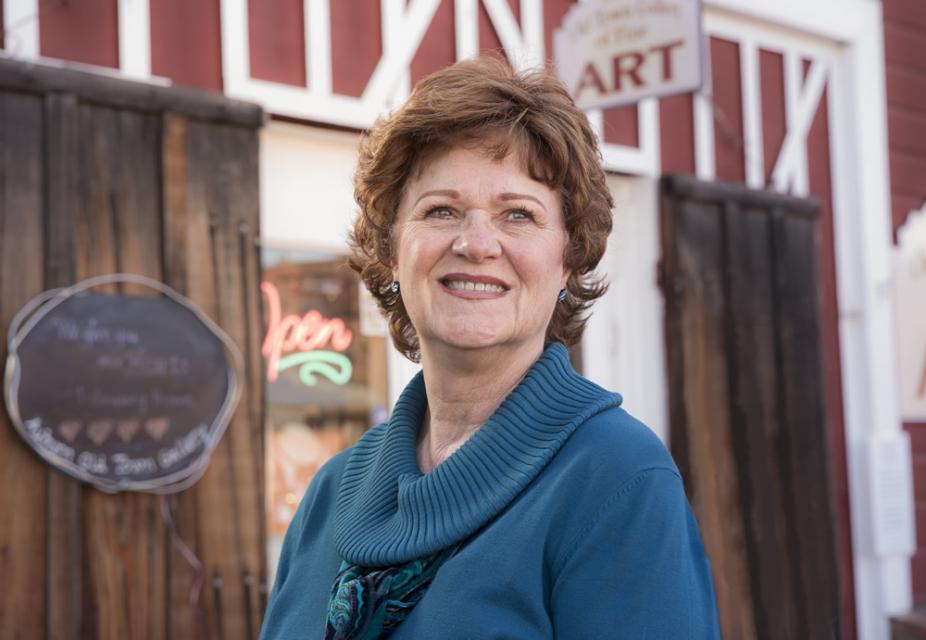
(368, 603)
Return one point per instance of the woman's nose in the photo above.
(478, 239)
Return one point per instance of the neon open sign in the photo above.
(311, 342)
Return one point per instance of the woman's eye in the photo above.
(440, 212)
(520, 214)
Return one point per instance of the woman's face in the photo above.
(479, 252)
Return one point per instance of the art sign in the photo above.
(910, 314)
(124, 392)
(616, 52)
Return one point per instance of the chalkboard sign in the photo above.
(124, 392)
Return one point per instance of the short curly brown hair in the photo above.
(469, 103)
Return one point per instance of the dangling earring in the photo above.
(562, 295)
(394, 287)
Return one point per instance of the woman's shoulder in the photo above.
(614, 445)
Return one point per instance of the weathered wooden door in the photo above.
(746, 403)
(99, 175)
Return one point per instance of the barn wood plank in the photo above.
(246, 199)
(697, 329)
(187, 267)
(120, 229)
(66, 617)
(804, 445)
(254, 384)
(107, 90)
(22, 474)
(233, 201)
(223, 510)
(755, 419)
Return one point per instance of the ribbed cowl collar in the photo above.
(388, 512)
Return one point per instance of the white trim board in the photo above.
(21, 24)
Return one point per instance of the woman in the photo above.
(507, 496)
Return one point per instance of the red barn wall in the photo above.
(186, 42)
(86, 31)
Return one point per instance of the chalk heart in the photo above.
(99, 431)
(69, 429)
(157, 427)
(126, 429)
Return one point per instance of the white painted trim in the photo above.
(642, 160)
(623, 347)
(754, 148)
(21, 23)
(836, 20)
(648, 135)
(135, 38)
(532, 28)
(771, 37)
(705, 155)
(858, 122)
(296, 102)
(395, 60)
(509, 33)
(236, 63)
(391, 11)
(466, 28)
(802, 98)
(317, 41)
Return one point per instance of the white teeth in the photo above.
(467, 285)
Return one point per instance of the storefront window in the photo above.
(325, 371)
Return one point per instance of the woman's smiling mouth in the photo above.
(470, 286)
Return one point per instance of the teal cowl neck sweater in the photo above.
(389, 513)
(572, 514)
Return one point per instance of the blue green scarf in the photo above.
(369, 603)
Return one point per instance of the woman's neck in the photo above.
(464, 389)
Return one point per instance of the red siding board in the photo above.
(676, 135)
(908, 174)
(907, 131)
(621, 126)
(919, 470)
(917, 431)
(356, 44)
(85, 31)
(921, 525)
(728, 110)
(438, 47)
(821, 187)
(911, 12)
(186, 42)
(904, 46)
(553, 13)
(276, 41)
(772, 77)
(919, 577)
(906, 89)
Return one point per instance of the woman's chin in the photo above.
(469, 339)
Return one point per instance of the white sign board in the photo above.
(910, 313)
(890, 486)
(616, 52)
